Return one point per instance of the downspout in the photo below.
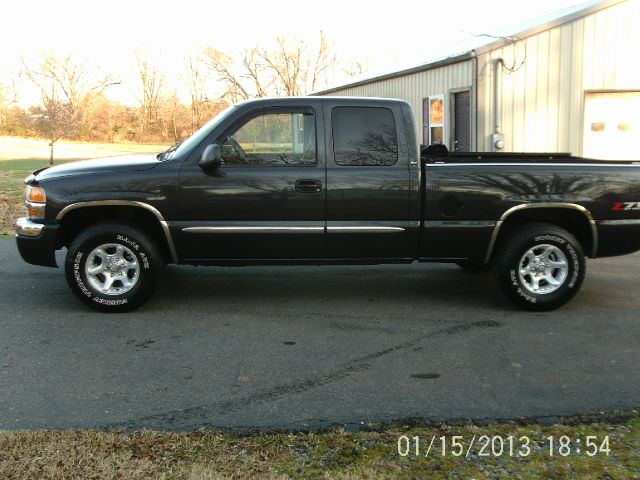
(474, 92)
(497, 138)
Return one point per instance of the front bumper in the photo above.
(36, 242)
(27, 228)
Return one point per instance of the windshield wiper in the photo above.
(162, 156)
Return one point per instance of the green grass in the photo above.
(334, 454)
(12, 175)
(19, 157)
(12, 148)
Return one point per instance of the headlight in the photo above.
(35, 201)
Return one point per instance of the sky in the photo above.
(384, 35)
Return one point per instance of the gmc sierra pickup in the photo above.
(316, 180)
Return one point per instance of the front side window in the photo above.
(364, 136)
(273, 139)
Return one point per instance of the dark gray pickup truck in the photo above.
(316, 180)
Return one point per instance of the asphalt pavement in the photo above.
(312, 347)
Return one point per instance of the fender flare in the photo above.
(524, 206)
(129, 203)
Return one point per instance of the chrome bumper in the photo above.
(27, 228)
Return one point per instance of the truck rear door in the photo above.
(368, 181)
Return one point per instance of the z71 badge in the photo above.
(623, 206)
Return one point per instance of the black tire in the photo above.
(473, 267)
(136, 243)
(545, 239)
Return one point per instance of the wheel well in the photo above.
(574, 221)
(79, 219)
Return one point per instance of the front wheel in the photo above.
(112, 267)
(540, 266)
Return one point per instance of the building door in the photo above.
(462, 121)
(612, 125)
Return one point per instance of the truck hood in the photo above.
(100, 165)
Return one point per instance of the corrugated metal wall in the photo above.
(542, 102)
(416, 86)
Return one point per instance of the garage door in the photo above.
(612, 126)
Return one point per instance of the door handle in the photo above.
(308, 186)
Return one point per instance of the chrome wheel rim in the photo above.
(543, 269)
(112, 269)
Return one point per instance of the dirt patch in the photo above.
(10, 210)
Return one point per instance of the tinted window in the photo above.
(276, 139)
(364, 136)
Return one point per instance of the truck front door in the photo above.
(266, 201)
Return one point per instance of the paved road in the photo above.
(310, 347)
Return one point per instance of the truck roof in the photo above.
(334, 99)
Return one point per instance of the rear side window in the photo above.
(364, 136)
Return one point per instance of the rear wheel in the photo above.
(112, 267)
(540, 266)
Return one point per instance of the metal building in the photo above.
(569, 85)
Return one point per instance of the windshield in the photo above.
(191, 142)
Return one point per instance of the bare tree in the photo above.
(7, 98)
(66, 90)
(355, 68)
(195, 79)
(298, 68)
(152, 86)
(227, 72)
(292, 68)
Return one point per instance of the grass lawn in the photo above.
(18, 148)
(336, 454)
(19, 157)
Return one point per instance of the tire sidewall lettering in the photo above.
(143, 256)
(77, 275)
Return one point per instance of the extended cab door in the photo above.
(368, 181)
(267, 199)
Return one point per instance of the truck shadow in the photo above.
(387, 290)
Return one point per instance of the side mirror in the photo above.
(211, 157)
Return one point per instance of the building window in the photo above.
(433, 119)
(364, 136)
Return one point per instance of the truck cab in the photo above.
(305, 179)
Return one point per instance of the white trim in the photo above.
(534, 164)
(365, 229)
(241, 229)
(619, 223)
(440, 96)
(245, 229)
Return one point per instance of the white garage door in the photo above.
(612, 126)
